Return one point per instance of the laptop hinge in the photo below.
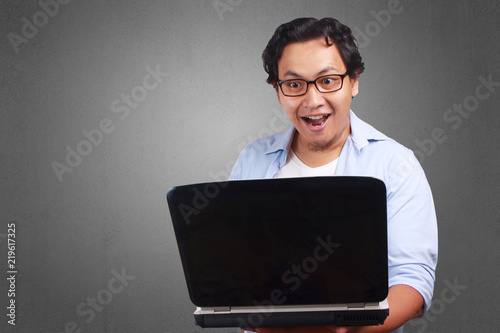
(222, 309)
(355, 305)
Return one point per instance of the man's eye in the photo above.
(294, 84)
(327, 81)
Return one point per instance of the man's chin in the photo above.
(319, 146)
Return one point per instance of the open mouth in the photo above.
(316, 120)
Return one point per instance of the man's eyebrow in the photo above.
(327, 69)
(291, 73)
(323, 71)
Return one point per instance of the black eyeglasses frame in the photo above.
(342, 76)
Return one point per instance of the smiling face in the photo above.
(321, 119)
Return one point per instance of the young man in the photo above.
(314, 66)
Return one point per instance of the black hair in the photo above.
(305, 29)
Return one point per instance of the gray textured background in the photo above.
(110, 213)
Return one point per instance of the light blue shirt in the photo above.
(411, 217)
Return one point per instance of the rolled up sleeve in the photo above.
(412, 230)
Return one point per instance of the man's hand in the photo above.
(304, 329)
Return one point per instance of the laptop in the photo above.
(284, 252)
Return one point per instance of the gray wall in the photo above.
(107, 215)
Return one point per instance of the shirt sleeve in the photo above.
(412, 228)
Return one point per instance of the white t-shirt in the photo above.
(294, 167)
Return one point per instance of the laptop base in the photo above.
(265, 318)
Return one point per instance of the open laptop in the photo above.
(284, 252)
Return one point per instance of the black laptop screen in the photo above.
(315, 240)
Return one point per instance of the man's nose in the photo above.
(313, 98)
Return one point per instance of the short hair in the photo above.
(305, 29)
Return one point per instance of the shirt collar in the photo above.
(362, 133)
(282, 142)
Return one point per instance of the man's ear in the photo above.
(354, 85)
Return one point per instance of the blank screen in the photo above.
(318, 240)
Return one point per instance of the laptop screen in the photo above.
(320, 240)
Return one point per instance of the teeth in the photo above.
(315, 117)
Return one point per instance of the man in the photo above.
(314, 66)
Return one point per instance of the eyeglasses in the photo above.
(324, 84)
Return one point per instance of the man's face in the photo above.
(309, 60)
